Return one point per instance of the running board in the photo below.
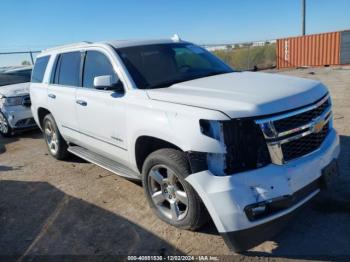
(104, 162)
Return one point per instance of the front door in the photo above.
(101, 113)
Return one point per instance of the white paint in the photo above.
(225, 197)
(172, 114)
(243, 94)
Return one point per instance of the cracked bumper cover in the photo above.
(226, 196)
(14, 114)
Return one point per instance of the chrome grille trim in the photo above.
(309, 127)
(293, 113)
(275, 139)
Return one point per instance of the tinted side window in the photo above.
(96, 64)
(68, 69)
(39, 69)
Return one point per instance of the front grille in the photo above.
(300, 119)
(304, 145)
(26, 122)
(297, 133)
(31, 121)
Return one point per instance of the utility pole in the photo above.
(303, 6)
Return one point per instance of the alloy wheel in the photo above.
(167, 192)
(3, 124)
(51, 137)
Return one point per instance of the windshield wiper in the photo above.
(167, 83)
(216, 73)
(179, 80)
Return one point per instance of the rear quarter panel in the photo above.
(38, 91)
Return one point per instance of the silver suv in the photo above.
(15, 113)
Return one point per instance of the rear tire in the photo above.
(5, 129)
(56, 145)
(169, 195)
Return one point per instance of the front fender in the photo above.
(176, 124)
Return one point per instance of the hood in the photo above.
(15, 90)
(243, 94)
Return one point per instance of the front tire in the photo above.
(170, 196)
(55, 143)
(5, 129)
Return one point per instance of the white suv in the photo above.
(245, 149)
(15, 113)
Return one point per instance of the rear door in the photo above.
(62, 91)
(101, 113)
(38, 86)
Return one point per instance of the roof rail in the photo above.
(67, 45)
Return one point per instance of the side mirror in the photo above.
(105, 83)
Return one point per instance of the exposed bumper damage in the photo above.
(242, 142)
(19, 117)
(226, 197)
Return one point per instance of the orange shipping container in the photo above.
(309, 50)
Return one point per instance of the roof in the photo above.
(16, 69)
(128, 43)
(117, 43)
(83, 43)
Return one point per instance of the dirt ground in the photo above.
(50, 207)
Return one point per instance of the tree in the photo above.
(25, 62)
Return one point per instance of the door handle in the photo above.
(51, 96)
(81, 102)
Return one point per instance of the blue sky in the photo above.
(37, 24)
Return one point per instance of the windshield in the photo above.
(15, 77)
(162, 65)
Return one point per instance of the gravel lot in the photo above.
(50, 207)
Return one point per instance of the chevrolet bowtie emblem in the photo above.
(318, 126)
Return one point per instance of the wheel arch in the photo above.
(42, 112)
(146, 145)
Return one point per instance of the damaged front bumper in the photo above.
(19, 117)
(228, 197)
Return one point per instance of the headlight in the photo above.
(244, 143)
(13, 101)
(211, 128)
